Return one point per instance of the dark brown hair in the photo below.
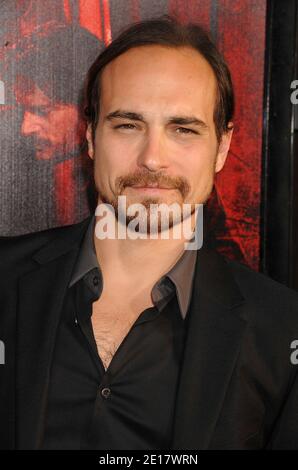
(164, 31)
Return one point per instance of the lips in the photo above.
(151, 185)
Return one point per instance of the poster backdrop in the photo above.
(45, 51)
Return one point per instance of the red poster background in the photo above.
(38, 193)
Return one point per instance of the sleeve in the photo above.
(285, 431)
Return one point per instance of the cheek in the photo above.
(67, 119)
(59, 128)
(196, 163)
(114, 155)
(198, 169)
(108, 165)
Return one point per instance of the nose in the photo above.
(31, 123)
(154, 154)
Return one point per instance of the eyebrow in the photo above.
(181, 120)
(37, 108)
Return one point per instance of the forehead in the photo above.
(159, 78)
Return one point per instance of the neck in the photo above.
(140, 259)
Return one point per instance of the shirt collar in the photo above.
(181, 274)
(87, 258)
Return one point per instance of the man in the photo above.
(51, 123)
(122, 343)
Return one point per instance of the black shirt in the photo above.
(131, 404)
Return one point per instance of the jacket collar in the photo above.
(66, 239)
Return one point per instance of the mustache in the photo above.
(159, 179)
(41, 143)
(35, 141)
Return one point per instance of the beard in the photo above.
(155, 216)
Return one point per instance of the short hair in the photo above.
(164, 31)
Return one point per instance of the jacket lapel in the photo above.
(40, 300)
(215, 326)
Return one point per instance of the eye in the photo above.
(125, 126)
(186, 130)
(41, 110)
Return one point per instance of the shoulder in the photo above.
(17, 251)
(259, 285)
(11, 247)
(268, 301)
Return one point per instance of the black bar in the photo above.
(279, 190)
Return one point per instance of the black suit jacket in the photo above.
(238, 388)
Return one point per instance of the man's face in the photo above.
(156, 128)
(56, 129)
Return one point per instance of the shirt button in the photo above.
(106, 392)
(95, 281)
(76, 321)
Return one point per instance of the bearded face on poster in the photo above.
(46, 76)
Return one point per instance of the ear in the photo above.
(223, 148)
(90, 141)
